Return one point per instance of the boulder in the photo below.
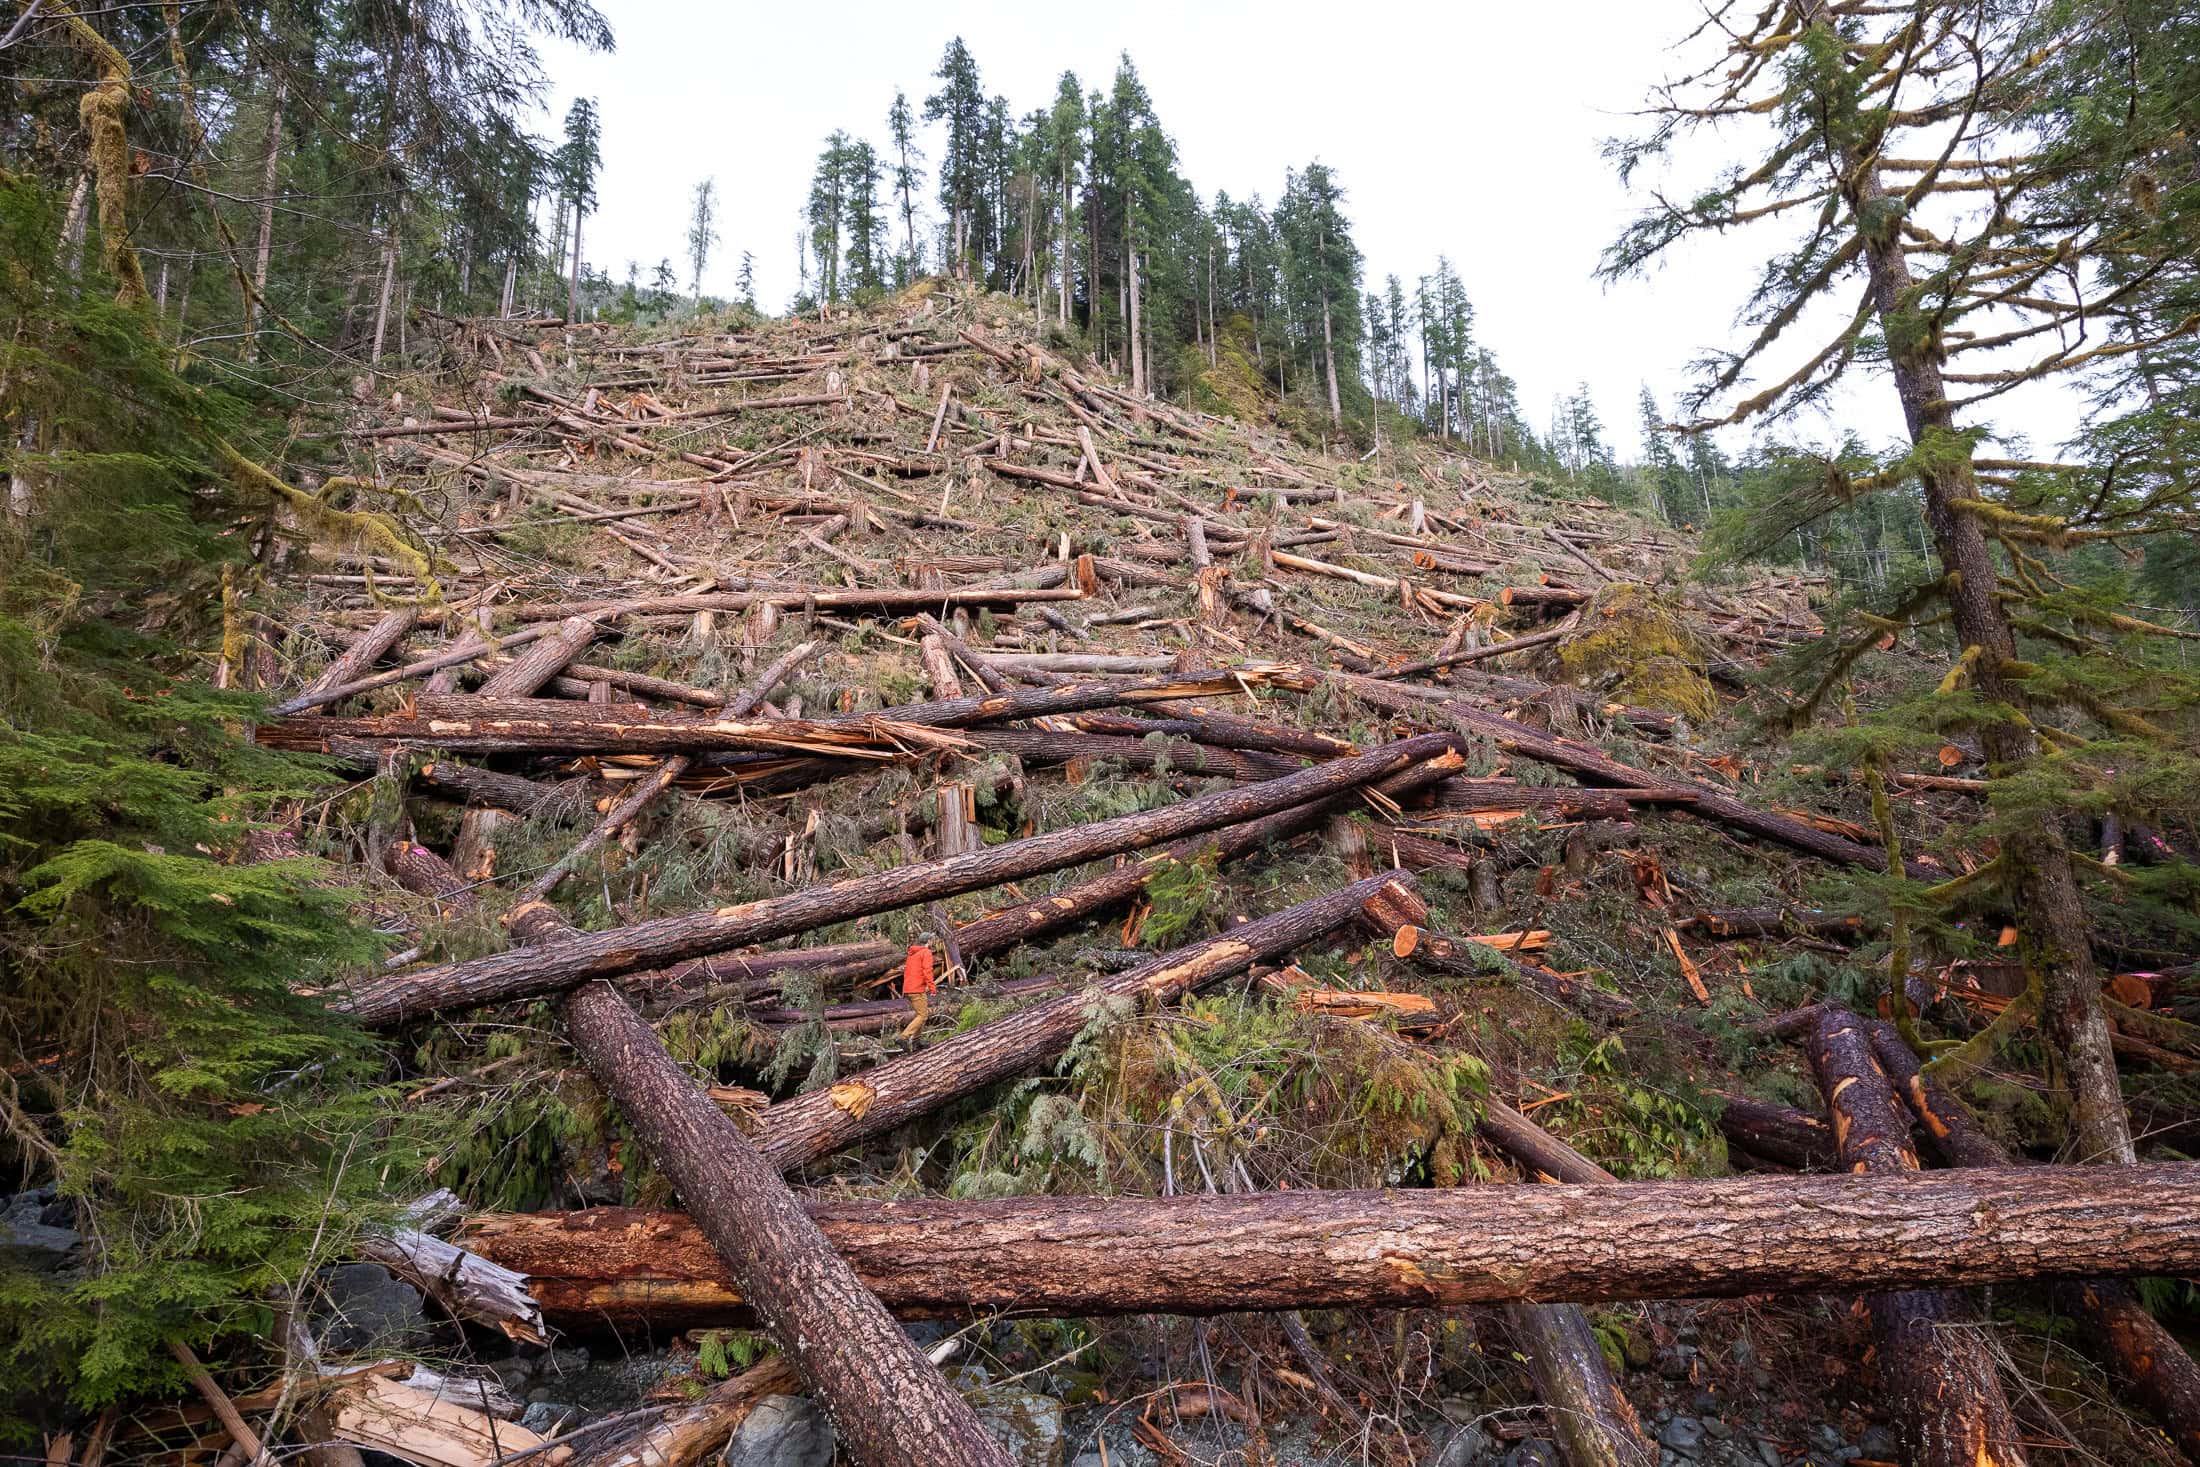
(783, 1431)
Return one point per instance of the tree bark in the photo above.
(1598, 767)
(1932, 1352)
(649, 944)
(424, 873)
(1789, 1138)
(888, 1403)
(267, 218)
(1067, 1257)
(355, 660)
(542, 661)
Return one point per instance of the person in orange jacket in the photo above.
(917, 986)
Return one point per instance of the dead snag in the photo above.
(650, 944)
(2161, 1373)
(1932, 1353)
(1441, 1247)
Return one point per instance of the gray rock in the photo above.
(783, 1431)
(1879, 1444)
(366, 1307)
(549, 1418)
(1713, 1426)
(1769, 1453)
(1744, 1355)
(1683, 1434)
(1470, 1446)
(1674, 1363)
(1534, 1452)
(1025, 1422)
(34, 1232)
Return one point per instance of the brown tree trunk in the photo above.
(504, 976)
(1789, 1138)
(1065, 1257)
(1932, 1352)
(888, 1402)
(424, 873)
(542, 661)
(2159, 1370)
(2055, 942)
(357, 659)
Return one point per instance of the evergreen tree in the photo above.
(745, 281)
(1324, 272)
(828, 211)
(577, 163)
(865, 221)
(901, 126)
(960, 104)
(1882, 124)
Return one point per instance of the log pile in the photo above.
(903, 628)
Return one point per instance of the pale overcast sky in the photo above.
(1470, 129)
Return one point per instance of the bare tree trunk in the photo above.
(573, 285)
(267, 218)
(389, 281)
(511, 277)
(1329, 362)
(1137, 323)
(1437, 1247)
(1062, 306)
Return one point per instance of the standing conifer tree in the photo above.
(1936, 231)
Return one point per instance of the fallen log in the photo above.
(365, 651)
(1069, 1257)
(887, 1401)
(1789, 1138)
(639, 798)
(542, 661)
(885, 599)
(2153, 1362)
(424, 873)
(650, 944)
(1932, 1354)
(479, 724)
(1600, 768)
(796, 1132)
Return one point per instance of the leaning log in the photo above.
(541, 662)
(1067, 1257)
(1932, 1351)
(365, 650)
(559, 966)
(887, 1401)
(2159, 1370)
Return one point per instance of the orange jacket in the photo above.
(916, 974)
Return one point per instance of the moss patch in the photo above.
(1634, 647)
